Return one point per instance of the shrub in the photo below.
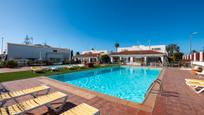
(105, 59)
(97, 65)
(2, 64)
(90, 65)
(30, 62)
(177, 56)
(11, 64)
(49, 63)
(83, 67)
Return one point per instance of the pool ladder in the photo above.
(158, 81)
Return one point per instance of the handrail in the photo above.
(160, 86)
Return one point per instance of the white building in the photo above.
(95, 51)
(91, 56)
(140, 55)
(37, 52)
(159, 48)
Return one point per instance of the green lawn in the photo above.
(28, 74)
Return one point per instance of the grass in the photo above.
(29, 74)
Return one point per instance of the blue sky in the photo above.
(85, 24)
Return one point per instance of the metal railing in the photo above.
(158, 81)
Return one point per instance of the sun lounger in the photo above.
(195, 80)
(82, 109)
(38, 69)
(196, 69)
(55, 68)
(81, 65)
(197, 87)
(3, 89)
(31, 104)
(200, 73)
(3, 111)
(15, 94)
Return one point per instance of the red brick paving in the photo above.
(178, 100)
(181, 100)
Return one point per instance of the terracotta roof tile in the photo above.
(89, 55)
(136, 52)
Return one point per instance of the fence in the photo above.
(197, 57)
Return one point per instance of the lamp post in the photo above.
(191, 36)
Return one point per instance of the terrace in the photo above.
(177, 98)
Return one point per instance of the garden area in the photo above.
(29, 74)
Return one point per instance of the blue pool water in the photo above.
(129, 83)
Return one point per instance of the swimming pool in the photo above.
(128, 83)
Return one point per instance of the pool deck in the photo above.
(176, 99)
(6, 70)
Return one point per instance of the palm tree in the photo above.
(172, 48)
(116, 46)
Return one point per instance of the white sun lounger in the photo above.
(200, 73)
(55, 68)
(196, 86)
(31, 104)
(196, 68)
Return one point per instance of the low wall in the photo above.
(197, 63)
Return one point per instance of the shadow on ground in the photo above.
(166, 93)
(66, 107)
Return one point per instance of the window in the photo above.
(54, 50)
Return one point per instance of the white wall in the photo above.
(95, 51)
(198, 63)
(18, 51)
(160, 48)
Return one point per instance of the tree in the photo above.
(194, 51)
(105, 59)
(177, 56)
(72, 54)
(116, 46)
(171, 49)
(77, 53)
